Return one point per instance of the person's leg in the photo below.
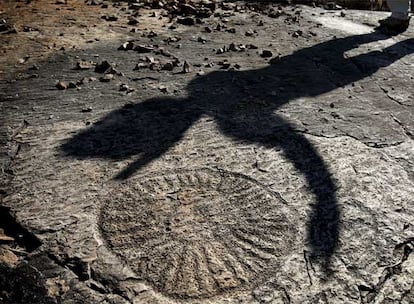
(398, 22)
(400, 8)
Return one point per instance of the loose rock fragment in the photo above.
(124, 87)
(132, 21)
(297, 34)
(186, 21)
(163, 89)
(126, 46)
(83, 65)
(103, 67)
(201, 39)
(169, 66)
(186, 67)
(7, 257)
(86, 110)
(72, 85)
(85, 80)
(106, 78)
(4, 237)
(249, 33)
(266, 54)
(110, 18)
(221, 50)
(61, 85)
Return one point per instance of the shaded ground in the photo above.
(205, 170)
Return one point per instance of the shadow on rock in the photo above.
(243, 104)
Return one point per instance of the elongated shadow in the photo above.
(243, 105)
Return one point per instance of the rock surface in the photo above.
(261, 180)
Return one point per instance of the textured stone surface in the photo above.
(198, 233)
(153, 197)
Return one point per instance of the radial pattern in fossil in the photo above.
(195, 234)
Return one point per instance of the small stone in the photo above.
(186, 21)
(200, 73)
(4, 237)
(169, 66)
(110, 18)
(224, 65)
(106, 78)
(231, 30)
(124, 87)
(85, 80)
(208, 29)
(61, 85)
(132, 21)
(201, 39)
(7, 257)
(140, 66)
(152, 34)
(163, 89)
(83, 65)
(252, 47)
(297, 34)
(72, 85)
(220, 51)
(266, 54)
(126, 46)
(249, 33)
(234, 48)
(343, 14)
(86, 110)
(103, 67)
(60, 2)
(261, 23)
(186, 67)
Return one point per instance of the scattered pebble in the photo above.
(186, 21)
(61, 85)
(83, 65)
(186, 67)
(266, 54)
(106, 78)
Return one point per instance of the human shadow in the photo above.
(243, 103)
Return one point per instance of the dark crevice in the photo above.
(368, 294)
(12, 228)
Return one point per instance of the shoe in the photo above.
(393, 26)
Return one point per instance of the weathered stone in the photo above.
(83, 65)
(266, 54)
(129, 45)
(61, 85)
(106, 78)
(186, 21)
(186, 67)
(103, 67)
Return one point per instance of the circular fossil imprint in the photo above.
(194, 234)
